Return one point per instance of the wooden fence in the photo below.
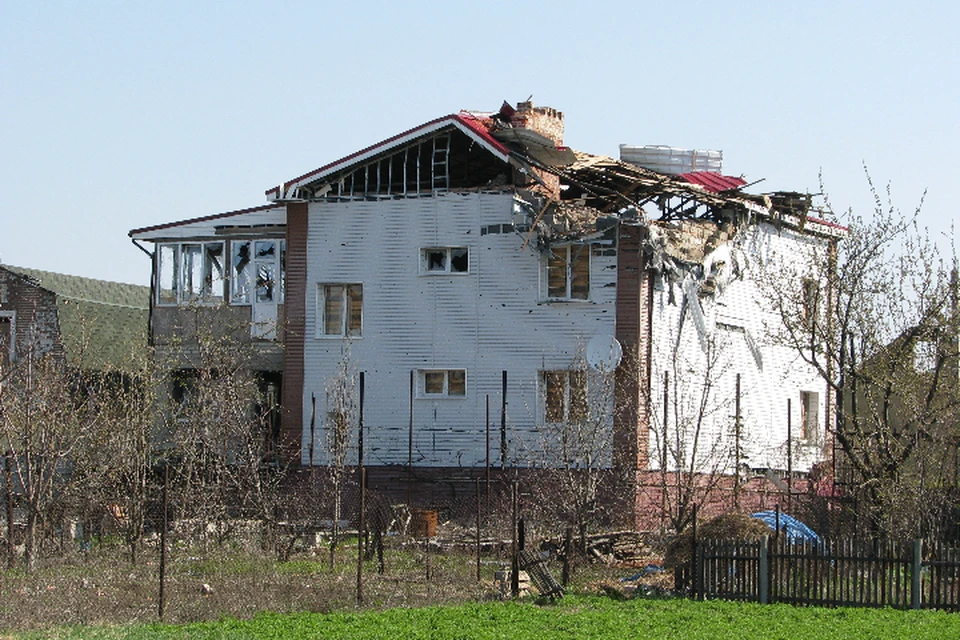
(842, 572)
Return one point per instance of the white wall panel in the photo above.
(486, 321)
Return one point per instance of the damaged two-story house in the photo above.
(474, 277)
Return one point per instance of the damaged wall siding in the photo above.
(736, 325)
(485, 322)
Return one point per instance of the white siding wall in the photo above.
(679, 349)
(487, 321)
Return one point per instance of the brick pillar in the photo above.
(295, 309)
(634, 308)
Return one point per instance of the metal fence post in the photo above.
(696, 560)
(764, 570)
(360, 530)
(917, 565)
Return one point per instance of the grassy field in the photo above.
(234, 592)
(573, 617)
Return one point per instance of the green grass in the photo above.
(573, 617)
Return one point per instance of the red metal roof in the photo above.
(712, 181)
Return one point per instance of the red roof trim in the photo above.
(469, 124)
(215, 216)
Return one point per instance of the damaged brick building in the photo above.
(89, 324)
(476, 276)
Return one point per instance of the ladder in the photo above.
(440, 169)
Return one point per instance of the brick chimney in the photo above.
(548, 122)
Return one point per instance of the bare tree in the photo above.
(45, 421)
(114, 467)
(576, 455)
(694, 435)
(216, 427)
(875, 315)
(342, 415)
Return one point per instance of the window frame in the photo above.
(245, 286)
(448, 261)
(446, 393)
(573, 396)
(562, 257)
(211, 289)
(345, 311)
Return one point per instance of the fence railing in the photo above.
(840, 572)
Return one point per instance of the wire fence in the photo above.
(319, 551)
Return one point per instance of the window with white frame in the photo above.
(339, 310)
(439, 260)
(442, 383)
(258, 271)
(564, 395)
(190, 272)
(568, 272)
(809, 414)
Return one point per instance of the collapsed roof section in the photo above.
(521, 150)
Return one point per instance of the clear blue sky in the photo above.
(118, 115)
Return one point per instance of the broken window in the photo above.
(258, 271)
(568, 272)
(265, 259)
(340, 310)
(443, 383)
(444, 260)
(564, 396)
(809, 414)
(190, 272)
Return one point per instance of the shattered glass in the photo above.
(459, 261)
(241, 282)
(437, 260)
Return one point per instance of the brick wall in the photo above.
(34, 315)
(291, 422)
(753, 494)
(544, 120)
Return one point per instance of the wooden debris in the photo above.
(619, 547)
(534, 564)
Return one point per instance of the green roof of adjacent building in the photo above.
(102, 324)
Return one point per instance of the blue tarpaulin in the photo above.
(796, 531)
